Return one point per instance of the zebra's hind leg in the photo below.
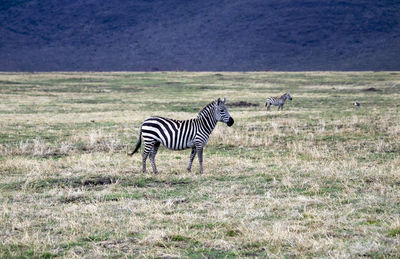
(148, 146)
(153, 154)
(192, 155)
(144, 158)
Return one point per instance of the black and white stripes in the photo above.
(277, 101)
(182, 134)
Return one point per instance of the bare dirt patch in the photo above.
(242, 104)
(99, 181)
(371, 89)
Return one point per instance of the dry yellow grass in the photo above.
(320, 179)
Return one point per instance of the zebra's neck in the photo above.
(206, 118)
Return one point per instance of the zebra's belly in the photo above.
(178, 146)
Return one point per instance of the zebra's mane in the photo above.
(211, 104)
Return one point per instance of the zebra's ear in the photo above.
(218, 101)
(224, 100)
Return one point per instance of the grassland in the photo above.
(320, 179)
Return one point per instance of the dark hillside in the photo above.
(92, 35)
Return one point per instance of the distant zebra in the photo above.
(182, 134)
(277, 101)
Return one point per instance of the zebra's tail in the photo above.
(137, 145)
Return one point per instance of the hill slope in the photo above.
(44, 35)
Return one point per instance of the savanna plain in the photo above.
(319, 179)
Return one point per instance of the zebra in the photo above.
(277, 101)
(181, 134)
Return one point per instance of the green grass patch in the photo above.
(394, 232)
(210, 253)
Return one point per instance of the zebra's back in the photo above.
(173, 134)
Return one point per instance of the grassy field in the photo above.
(320, 179)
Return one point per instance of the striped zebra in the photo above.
(181, 134)
(277, 101)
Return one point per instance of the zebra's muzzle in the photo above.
(230, 122)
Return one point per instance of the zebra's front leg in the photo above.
(192, 155)
(200, 156)
(153, 156)
(269, 107)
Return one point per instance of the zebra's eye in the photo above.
(221, 110)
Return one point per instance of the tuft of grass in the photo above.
(233, 233)
(394, 232)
